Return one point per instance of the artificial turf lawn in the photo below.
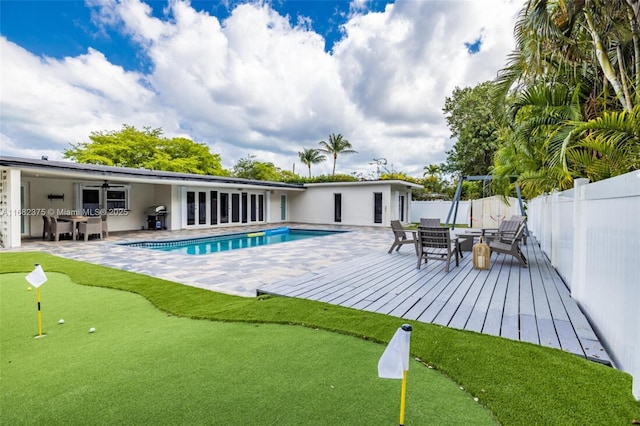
(142, 366)
(521, 383)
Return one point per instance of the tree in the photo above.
(249, 168)
(148, 149)
(311, 156)
(336, 145)
(569, 95)
(470, 118)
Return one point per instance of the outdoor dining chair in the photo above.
(59, 227)
(93, 226)
(429, 222)
(436, 243)
(46, 228)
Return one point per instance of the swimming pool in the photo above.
(214, 244)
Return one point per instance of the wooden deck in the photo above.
(528, 304)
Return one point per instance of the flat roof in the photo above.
(40, 168)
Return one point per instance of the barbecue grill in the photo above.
(156, 217)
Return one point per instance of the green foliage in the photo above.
(249, 168)
(321, 179)
(399, 176)
(310, 156)
(569, 94)
(337, 144)
(148, 149)
(470, 118)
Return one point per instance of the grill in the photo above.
(156, 217)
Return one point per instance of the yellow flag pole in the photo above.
(39, 312)
(403, 395)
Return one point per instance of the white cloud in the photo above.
(258, 84)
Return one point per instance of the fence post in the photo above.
(579, 242)
(555, 228)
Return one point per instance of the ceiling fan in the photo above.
(106, 185)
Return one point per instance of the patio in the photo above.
(354, 270)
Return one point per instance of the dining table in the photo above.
(75, 220)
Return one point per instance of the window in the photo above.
(202, 208)
(90, 199)
(214, 207)
(235, 208)
(377, 207)
(337, 207)
(244, 207)
(253, 207)
(260, 207)
(191, 208)
(224, 207)
(116, 199)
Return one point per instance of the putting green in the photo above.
(142, 366)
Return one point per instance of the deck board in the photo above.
(528, 304)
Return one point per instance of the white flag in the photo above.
(37, 277)
(395, 358)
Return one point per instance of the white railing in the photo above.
(591, 234)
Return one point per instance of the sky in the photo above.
(249, 78)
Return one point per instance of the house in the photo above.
(30, 189)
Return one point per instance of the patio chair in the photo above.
(59, 227)
(93, 226)
(46, 228)
(400, 236)
(105, 228)
(436, 243)
(511, 246)
(506, 231)
(429, 223)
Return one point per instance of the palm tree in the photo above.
(311, 156)
(336, 145)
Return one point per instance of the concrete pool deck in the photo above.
(237, 272)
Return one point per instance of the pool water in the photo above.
(214, 244)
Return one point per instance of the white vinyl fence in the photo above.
(439, 209)
(591, 234)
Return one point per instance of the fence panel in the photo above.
(591, 234)
(439, 209)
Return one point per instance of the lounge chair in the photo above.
(506, 231)
(511, 245)
(436, 243)
(93, 226)
(400, 236)
(59, 227)
(429, 223)
(46, 228)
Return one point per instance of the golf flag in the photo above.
(395, 358)
(37, 277)
(394, 362)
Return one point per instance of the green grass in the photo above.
(520, 383)
(142, 366)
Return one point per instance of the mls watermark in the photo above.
(63, 212)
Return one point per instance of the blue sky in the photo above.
(248, 77)
(64, 28)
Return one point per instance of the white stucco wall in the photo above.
(141, 197)
(316, 204)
